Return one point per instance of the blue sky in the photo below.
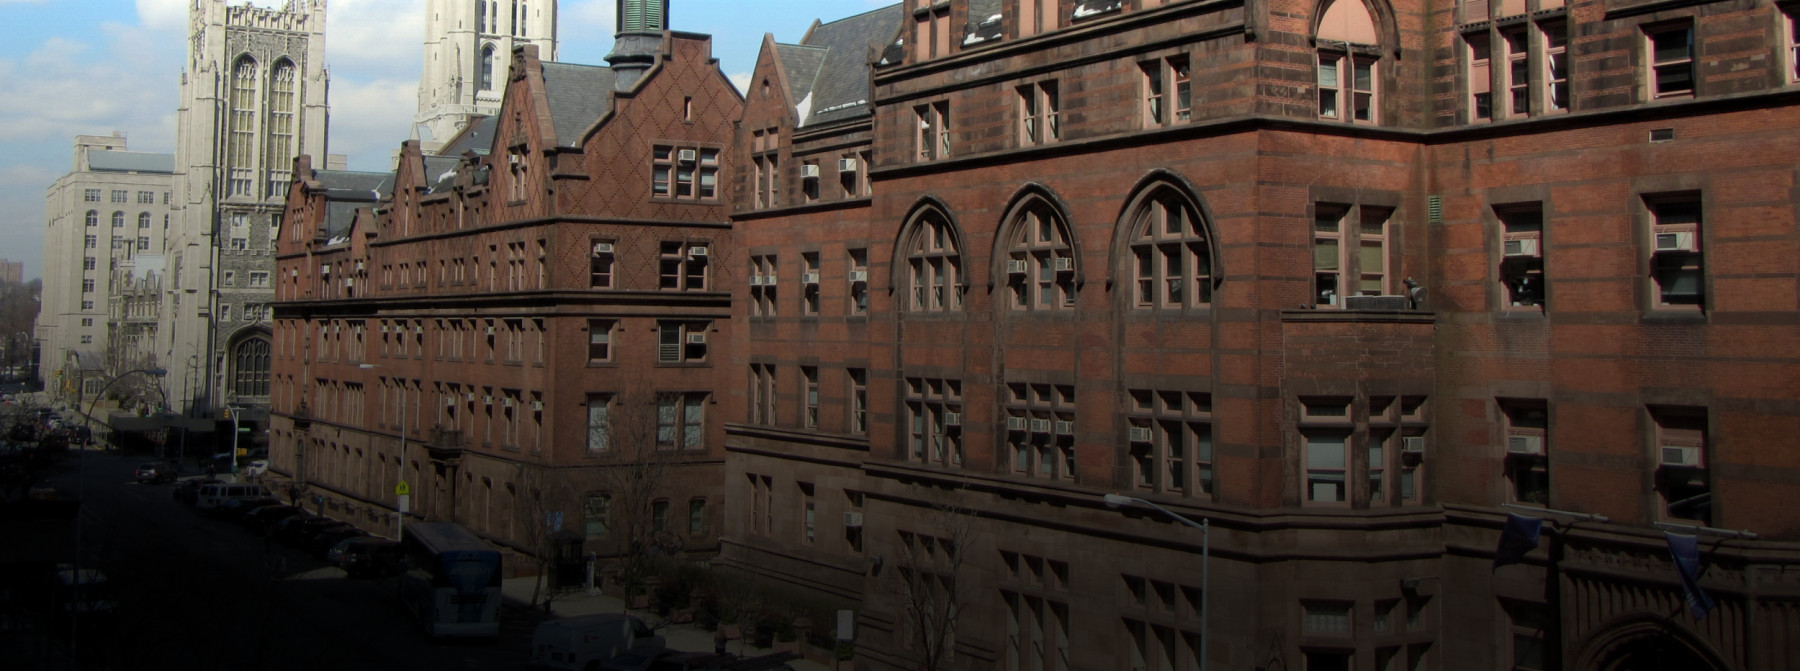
(91, 67)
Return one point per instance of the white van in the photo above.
(210, 497)
(577, 642)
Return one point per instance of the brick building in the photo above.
(519, 313)
(1007, 256)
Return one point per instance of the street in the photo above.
(196, 592)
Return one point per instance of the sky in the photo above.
(92, 67)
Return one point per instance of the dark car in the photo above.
(235, 509)
(322, 542)
(369, 557)
(189, 490)
(288, 526)
(155, 473)
(298, 533)
(267, 515)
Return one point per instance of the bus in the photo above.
(452, 580)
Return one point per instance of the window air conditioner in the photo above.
(350, 282)
(853, 520)
(603, 248)
(1040, 425)
(359, 266)
(809, 172)
(809, 278)
(470, 397)
(1140, 434)
(952, 419)
(1015, 423)
(1521, 248)
(1680, 456)
(512, 159)
(537, 405)
(769, 280)
(1533, 445)
(490, 330)
(324, 270)
(1412, 444)
(1675, 242)
(859, 276)
(418, 329)
(686, 155)
(1015, 267)
(755, 280)
(696, 252)
(1065, 428)
(384, 328)
(1065, 264)
(506, 401)
(450, 402)
(696, 338)
(487, 399)
(846, 165)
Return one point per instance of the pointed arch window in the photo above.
(1040, 264)
(250, 367)
(281, 126)
(933, 266)
(487, 68)
(241, 141)
(1171, 256)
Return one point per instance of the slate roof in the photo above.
(984, 22)
(130, 161)
(440, 172)
(801, 63)
(579, 95)
(346, 190)
(839, 85)
(477, 137)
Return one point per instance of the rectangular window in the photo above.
(146, 198)
(1327, 461)
(809, 521)
(1790, 35)
(859, 400)
(1168, 93)
(1682, 457)
(1522, 255)
(1556, 65)
(1527, 452)
(600, 337)
(763, 285)
(599, 425)
(1347, 81)
(1677, 264)
(809, 284)
(1039, 121)
(600, 264)
(934, 418)
(1671, 59)
(1517, 71)
(933, 138)
(682, 266)
(1481, 99)
(810, 376)
(682, 342)
(1530, 624)
(120, 196)
(1346, 260)
(1170, 433)
(762, 394)
(593, 515)
(859, 282)
(90, 195)
(931, 29)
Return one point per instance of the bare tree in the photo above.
(926, 579)
(639, 439)
(123, 356)
(541, 494)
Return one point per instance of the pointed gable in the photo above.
(578, 95)
(840, 84)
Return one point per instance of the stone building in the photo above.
(253, 97)
(106, 220)
(1349, 280)
(529, 320)
(468, 53)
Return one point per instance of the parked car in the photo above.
(214, 495)
(323, 541)
(639, 659)
(235, 509)
(253, 469)
(298, 533)
(265, 516)
(581, 641)
(155, 473)
(189, 490)
(288, 526)
(369, 557)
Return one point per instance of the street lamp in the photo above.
(1117, 501)
(399, 463)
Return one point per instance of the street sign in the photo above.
(405, 504)
(402, 489)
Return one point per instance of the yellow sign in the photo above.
(243, 451)
(402, 489)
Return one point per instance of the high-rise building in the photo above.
(12, 272)
(107, 216)
(253, 96)
(468, 58)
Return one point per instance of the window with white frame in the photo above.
(1040, 429)
(1522, 255)
(1683, 457)
(1040, 263)
(118, 220)
(1170, 433)
(1349, 252)
(1171, 257)
(683, 266)
(1677, 261)
(1790, 38)
(682, 341)
(121, 196)
(1347, 87)
(1669, 50)
(93, 217)
(90, 195)
(934, 421)
(934, 266)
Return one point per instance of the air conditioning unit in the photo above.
(686, 156)
(696, 252)
(1040, 425)
(1521, 248)
(324, 270)
(359, 266)
(1140, 434)
(846, 165)
(1064, 428)
(384, 328)
(1533, 445)
(952, 419)
(490, 330)
(450, 402)
(1015, 266)
(418, 329)
(769, 280)
(696, 338)
(1065, 264)
(859, 276)
(512, 159)
(809, 278)
(470, 397)
(537, 405)
(755, 280)
(506, 401)
(1412, 444)
(1675, 242)
(853, 520)
(603, 248)
(487, 399)
(1680, 456)
(809, 172)
(1015, 424)
(350, 282)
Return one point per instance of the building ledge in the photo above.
(1367, 316)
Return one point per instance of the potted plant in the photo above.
(843, 656)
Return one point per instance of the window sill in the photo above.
(682, 364)
(602, 364)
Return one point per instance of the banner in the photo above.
(1519, 536)
(1685, 550)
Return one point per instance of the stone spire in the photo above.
(641, 25)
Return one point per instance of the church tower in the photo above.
(468, 52)
(253, 97)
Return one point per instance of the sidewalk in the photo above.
(678, 636)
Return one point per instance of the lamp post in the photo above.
(81, 494)
(1117, 501)
(399, 463)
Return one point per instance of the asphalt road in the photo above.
(197, 592)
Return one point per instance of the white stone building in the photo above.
(468, 53)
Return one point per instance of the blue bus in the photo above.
(452, 580)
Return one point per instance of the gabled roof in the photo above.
(801, 63)
(579, 95)
(839, 85)
(346, 190)
(130, 161)
(477, 137)
(440, 172)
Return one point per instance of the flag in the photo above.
(1519, 536)
(1685, 550)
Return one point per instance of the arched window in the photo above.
(1171, 258)
(487, 68)
(118, 220)
(250, 367)
(143, 220)
(1348, 52)
(93, 218)
(1040, 263)
(242, 139)
(281, 126)
(933, 265)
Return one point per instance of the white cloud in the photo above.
(369, 119)
(52, 92)
(163, 14)
(741, 80)
(369, 39)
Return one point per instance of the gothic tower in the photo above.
(253, 97)
(468, 52)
